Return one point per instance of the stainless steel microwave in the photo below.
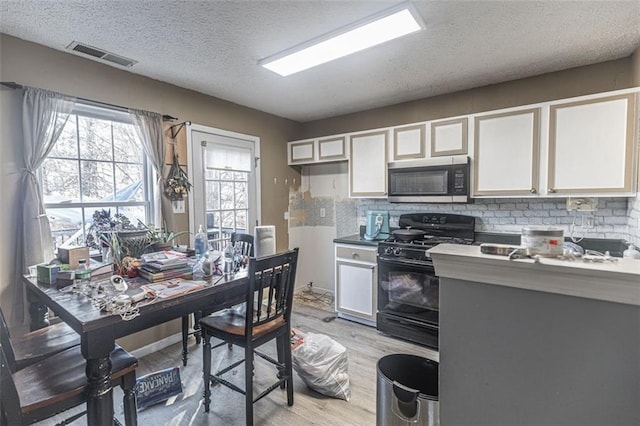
(443, 180)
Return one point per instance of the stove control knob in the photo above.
(388, 250)
(397, 251)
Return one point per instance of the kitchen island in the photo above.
(526, 342)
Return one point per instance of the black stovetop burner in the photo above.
(430, 241)
(439, 228)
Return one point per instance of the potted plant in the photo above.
(176, 185)
(124, 261)
(161, 238)
(116, 234)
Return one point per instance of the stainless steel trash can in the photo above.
(407, 391)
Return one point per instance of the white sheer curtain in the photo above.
(44, 115)
(148, 126)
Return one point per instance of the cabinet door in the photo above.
(368, 164)
(449, 137)
(408, 142)
(506, 153)
(301, 152)
(332, 149)
(356, 289)
(591, 146)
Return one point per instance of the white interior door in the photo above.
(224, 170)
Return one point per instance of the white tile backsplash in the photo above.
(616, 218)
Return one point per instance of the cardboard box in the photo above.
(71, 255)
(47, 274)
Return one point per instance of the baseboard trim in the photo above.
(158, 345)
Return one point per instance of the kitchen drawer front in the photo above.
(352, 253)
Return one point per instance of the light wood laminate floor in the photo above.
(364, 345)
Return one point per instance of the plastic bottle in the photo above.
(206, 267)
(228, 259)
(631, 253)
(200, 242)
(82, 276)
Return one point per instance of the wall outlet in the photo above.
(323, 212)
(582, 204)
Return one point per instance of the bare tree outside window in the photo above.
(96, 163)
(227, 207)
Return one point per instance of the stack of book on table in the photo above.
(164, 265)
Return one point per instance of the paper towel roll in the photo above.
(264, 239)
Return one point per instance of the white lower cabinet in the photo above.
(356, 280)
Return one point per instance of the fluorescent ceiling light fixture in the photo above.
(377, 29)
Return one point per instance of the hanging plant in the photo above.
(177, 184)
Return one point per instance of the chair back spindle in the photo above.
(244, 242)
(271, 281)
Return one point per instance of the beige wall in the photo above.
(34, 65)
(635, 59)
(601, 77)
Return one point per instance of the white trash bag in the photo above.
(322, 364)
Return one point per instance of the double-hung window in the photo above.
(97, 163)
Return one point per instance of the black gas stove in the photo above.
(438, 228)
(408, 289)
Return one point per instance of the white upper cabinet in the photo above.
(301, 152)
(408, 142)
(449, 137)
(332, 149)
(321, 150)
(368, 164)
(591, 146)
(584, 146)
(506, 148)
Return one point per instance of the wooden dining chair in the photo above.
(269, 300)
(245, 244)
(37, 345)
(58, 383)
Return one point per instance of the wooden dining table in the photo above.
(99, 329)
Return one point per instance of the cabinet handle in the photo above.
(533, 190)
(354, 255)
(551, 190)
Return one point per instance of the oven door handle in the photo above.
(395, 261)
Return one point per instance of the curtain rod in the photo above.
(14, 85)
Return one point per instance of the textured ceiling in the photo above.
(213, 46)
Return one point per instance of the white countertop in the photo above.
(617, 281)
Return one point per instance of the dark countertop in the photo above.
(355, 239)
(615, 247)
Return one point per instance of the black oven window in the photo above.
(414, 289)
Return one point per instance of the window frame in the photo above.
(93, 110)
(197, 176)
